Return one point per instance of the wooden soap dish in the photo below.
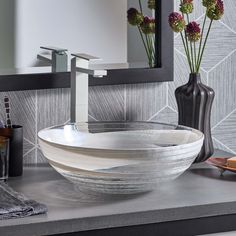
(221, 163)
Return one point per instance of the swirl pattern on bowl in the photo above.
(120, 157)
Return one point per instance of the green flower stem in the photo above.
(152, 49)
(191, 48)
(188, 18)
(192, 57)
(204, 46)
(147, 42)
(195, 56)
(149, 46)
(187, 45)
(200, 45)
(187, 53)
(144, 43)
(140, 6)
(188, 50)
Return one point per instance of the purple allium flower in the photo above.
(152, 4)
(193, 31)
(148, 25)
(134, 16)
(216, 12)
(209, 3)
(176, 22)
(186, 7)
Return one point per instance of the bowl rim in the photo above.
(156, 149)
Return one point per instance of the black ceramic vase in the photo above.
(194, 101)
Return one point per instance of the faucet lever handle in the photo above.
(85, 56)
(55, 49)
(58, 58)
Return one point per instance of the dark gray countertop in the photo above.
(199, 192)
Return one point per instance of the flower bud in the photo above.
(176, 22)
(193, 31)
(209, 3)
(216, 13)
(148, 25)
(186, 7)
(134, 16)
(152, 4)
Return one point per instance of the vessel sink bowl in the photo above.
(120, 157)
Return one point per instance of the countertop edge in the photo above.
(61, 226)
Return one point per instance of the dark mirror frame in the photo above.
(163, 71)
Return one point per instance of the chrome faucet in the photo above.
(79, 85)
(58, 59)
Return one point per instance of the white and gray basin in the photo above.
(120, 157)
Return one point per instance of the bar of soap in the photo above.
(231, 162)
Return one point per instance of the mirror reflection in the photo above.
(98, 28)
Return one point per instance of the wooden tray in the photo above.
(221, 164)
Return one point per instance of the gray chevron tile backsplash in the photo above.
(230, 16)
(166, 115)
(155, 101)
(223, 80)
(53, 107)
(144, 100)
(107, 103)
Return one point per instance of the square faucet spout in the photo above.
(79, 85)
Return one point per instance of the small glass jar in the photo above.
(4, 158)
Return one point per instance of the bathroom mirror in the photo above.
(98, 28)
